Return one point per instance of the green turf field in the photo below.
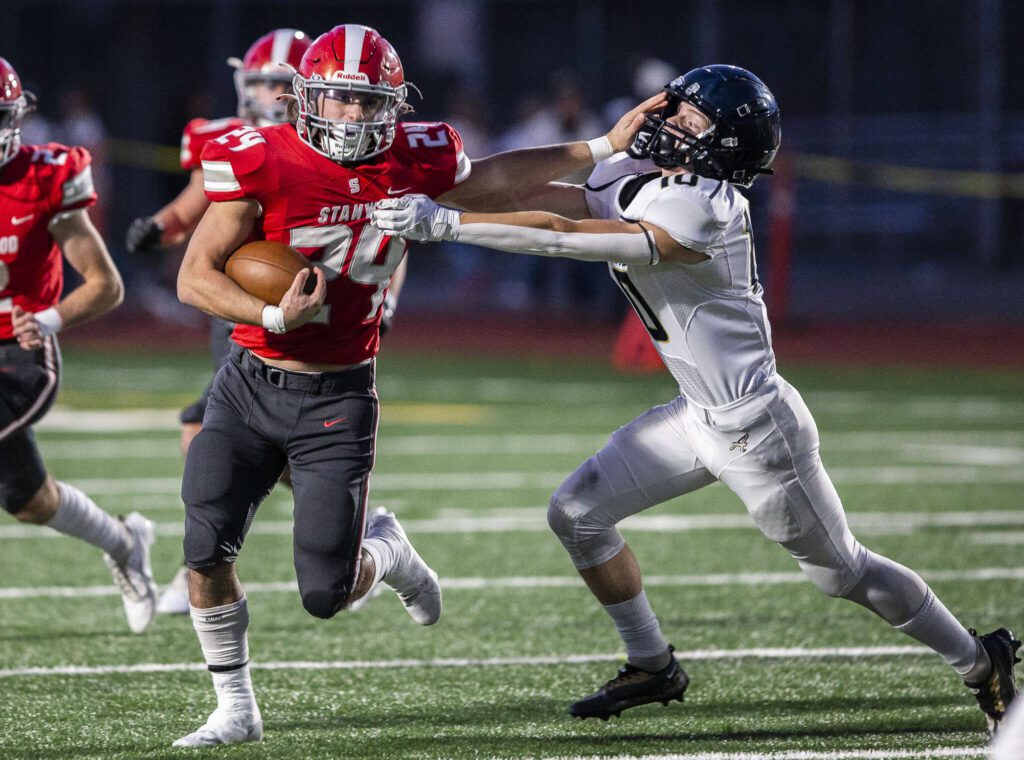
(930, 465)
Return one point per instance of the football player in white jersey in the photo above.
(669, 219)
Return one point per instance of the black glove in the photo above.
(144, 234)
(387, 314)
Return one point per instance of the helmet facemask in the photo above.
(343, 140)
(743, 137)
(11, 114)
(669, 145)
(260, 100)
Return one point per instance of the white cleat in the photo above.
(174, 599)
(135, 577)
(223, 727)
(411, 578)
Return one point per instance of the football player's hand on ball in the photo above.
(144, 234)
(26, 329)
(298, 306)
(416, 217)
(622, 134)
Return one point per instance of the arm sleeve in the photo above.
(76, 189)
(686, 217)
(623, 248)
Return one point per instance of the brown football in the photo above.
(265, 269)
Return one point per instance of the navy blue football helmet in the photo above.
(745, 127)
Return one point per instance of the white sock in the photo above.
(935, 627)
(384, 557)
(639, 630)
(77, 515)
(222, 636)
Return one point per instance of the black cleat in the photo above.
(996, 694)
(633, 687)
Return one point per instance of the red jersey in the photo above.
(200, 131)
(40, 182)
(322, 209)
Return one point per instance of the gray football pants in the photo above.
(259, 418)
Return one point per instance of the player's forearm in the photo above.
(213, 292)
(544, 234)
(180, 217)
(97, 295)
(507, 180)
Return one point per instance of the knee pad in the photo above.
(834, 569)
(324, 603)
(577, 517)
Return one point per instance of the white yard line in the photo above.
(550, 581)
(998, 538)
(773, 653)
(514, 480)
(838, 754)
(952, 447)
(533, 520)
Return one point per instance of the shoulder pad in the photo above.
(200, 131)
(614, 168)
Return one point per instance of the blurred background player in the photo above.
(299, 386)
(45, 192)
(262, 75)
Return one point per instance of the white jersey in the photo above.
(707, 320)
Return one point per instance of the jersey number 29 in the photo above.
(357, 262)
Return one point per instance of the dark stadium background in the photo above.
(871, 93)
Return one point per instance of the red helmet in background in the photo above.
(354, 65)
(14, 104)
(265, 72)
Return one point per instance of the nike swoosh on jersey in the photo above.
(15, 220)
(392, 191)
(331, 423)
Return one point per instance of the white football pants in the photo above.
(763, 447)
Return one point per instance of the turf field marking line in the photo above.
(794, 653)
(532, 520)
(551, 581)
(842, 754)
(954, 447)
(513, 480)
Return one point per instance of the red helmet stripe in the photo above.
(355, 42)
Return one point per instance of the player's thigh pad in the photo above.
(646, 462)
(28, 384)
(331, 454)
(21, 470)
(230, 468)
(779, 476)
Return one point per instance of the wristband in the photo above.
(273, 319)
(49, 321)
(600, 148)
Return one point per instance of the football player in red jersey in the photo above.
(45, 191)
(299, 386)
(261, 77)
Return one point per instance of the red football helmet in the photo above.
(260, 76)
(359, 71)
(14, 104)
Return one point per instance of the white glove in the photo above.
(416, 217)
